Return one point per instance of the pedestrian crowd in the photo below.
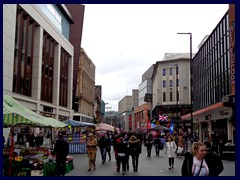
(201, 160)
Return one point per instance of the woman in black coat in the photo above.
(134, 150)
(210, 164)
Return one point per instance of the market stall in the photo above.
(74, 136)
(23, 160)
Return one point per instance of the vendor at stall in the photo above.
(61, 149)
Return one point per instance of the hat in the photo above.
(90, 134)
(134, 137)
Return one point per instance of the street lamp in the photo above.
(176, 93)
(191, 79)
(107, 112)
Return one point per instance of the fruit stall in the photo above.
(33, 162)
(20, 160)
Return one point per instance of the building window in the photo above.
(171, 96)
(177, 70)
(177, 82)
(177, 95)
(170, 71)
(164, 72)
(164, 96)
(171, 84)
(164, 83)
(23, 53)
(47, 67)
(64, 78)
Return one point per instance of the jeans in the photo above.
(103, 152)
(135, 161)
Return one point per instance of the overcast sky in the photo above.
(123, 41)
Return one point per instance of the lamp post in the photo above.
(191, 79)
(107, 112)
(176, 93)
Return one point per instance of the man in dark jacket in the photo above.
(215, 162)
(102, 144)
(121, 150)
(61, 149)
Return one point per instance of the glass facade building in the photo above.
(211, 68)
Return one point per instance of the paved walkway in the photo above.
(154, 166)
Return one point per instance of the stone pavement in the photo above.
(154, 166)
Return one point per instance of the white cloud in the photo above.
(123, 41)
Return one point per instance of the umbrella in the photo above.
(159, 127)
(106, 127)
(78, 123)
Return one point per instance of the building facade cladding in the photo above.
(213, 67)
(125, 106)
(144, 87)
(98, 117)
(77, 12)
(86, 86)
(148, 73)
(141, 117)
(28, 46)
(168, 84)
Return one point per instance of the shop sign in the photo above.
(232, 57)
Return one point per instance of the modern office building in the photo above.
(214, 83)
(38, 57)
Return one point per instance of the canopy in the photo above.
(78, 123)
(106, 127)
(159, 127)
(15, 114)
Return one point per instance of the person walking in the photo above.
(92, 151)
(170, 150)
(61, 149)
(109, 144)
(157, 144)
(125, 140)
(102, 144)
(198, 164)
(180, 145)
(213, 160)
(134, 151)
(121, 150)
(149, 143)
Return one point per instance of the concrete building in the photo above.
(126, 108)
(38, 57)
(214, 83)
(171, 88)
(143, 111)
(84, 98)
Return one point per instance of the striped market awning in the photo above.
(15, 114)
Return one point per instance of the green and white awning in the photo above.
(15, 114)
